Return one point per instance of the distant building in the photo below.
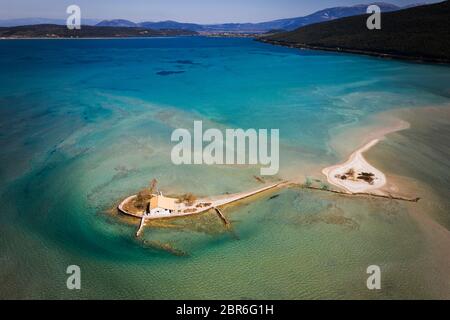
(161, 205)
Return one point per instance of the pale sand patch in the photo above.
(359, 164)
(345, 139)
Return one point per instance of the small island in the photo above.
(152, 204)
(356, 175)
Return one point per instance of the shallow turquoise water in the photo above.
(86, 122)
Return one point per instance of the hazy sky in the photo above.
(202, 11)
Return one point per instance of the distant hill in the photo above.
(282, 24)
(416, 33)
(262, 27)
(323, 15)
(171, 25)
(57, 31)
(34, 21)
(117, 23)
(152, 25)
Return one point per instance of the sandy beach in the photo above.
(357, 164)
(357, 175)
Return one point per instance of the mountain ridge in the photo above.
(287, 24)
(418, 33)
(35, 21)
(261, 27)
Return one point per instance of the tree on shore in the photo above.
(188, 198)
(144, 196)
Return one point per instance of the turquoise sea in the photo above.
(85, 123)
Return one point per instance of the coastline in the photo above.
(299, 46)
(356, 51)
(96, 38)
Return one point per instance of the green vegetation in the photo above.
(308, 182)
(416, 33)
(188, 198)
(367, 177)
(58, 31)
(325, 186)
(144, 196)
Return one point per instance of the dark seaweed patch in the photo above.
(273, 197)
(168, 73)
(184, 62)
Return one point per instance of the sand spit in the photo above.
(350, 174)
(357, 175)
